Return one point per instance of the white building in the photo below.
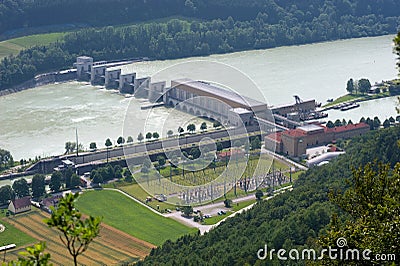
(203, 99)
(20, 205)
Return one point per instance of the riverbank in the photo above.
(42, 80)
(385, 89)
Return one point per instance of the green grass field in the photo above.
(11, 235)
(139, 193)
(126, 215)
(344, 98)
(13, 46)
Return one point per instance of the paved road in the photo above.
(213, 208)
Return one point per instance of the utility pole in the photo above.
(77, 143)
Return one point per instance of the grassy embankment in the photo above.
(384, 92)
(13, 46)
(12, 235)
(127, 215)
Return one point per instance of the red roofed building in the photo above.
(20, 205)
(294, 142)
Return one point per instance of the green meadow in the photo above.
(129, 216)
(13, 46)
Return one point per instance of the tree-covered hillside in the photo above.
(292, 220)
(177, 38)
(25, 13)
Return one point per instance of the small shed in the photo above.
(20, 205)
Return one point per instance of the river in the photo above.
(39, 121)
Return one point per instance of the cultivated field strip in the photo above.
(112, 247)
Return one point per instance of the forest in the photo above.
(182, 38)
(291, 220)
(15, 14)
(241, 25)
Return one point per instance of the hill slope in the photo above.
(290, 220)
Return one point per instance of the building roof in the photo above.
(22, 202)
(67, 162)
(221, 92)
(52, 201)
(84, 57)
(276, 136)
(347, 127)
(311, 128)
(240, 111)
(295, 132)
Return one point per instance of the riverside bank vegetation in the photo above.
(313, 215)
(210, 27)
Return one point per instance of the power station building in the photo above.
(207, 100)
(295, 142)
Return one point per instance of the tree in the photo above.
(180, 130)
(38, 185)
(170, 133)
(187, 210)
(6, 159)
(140, 137)
(397, 49)
(362, 120)
(216, 124)
(364, 85)
(97, 178)
(156, 135)
(255, 143)
(377, 122)
(55, 181)
(203, 126)
(118, 171)
(161, 160)
(146, 166)
(350, 86)
(372, 203)
(228, 203)
(93, 146)
(129, 139)
(120, 140)
(398, 119)
(344, 123)
(33, 256)
(149, 136)
(259, 195)
(108, 145)
(350, 122)
(67, 173)
(386, 123)
(391, 120)
(191, 128)
(21, 188)
(195, 152)
(338, 123)
(76, 233)
(6, 194)
(330, 124)
(237, 143)
(70, 147)
(75, 181)
(220, 147)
